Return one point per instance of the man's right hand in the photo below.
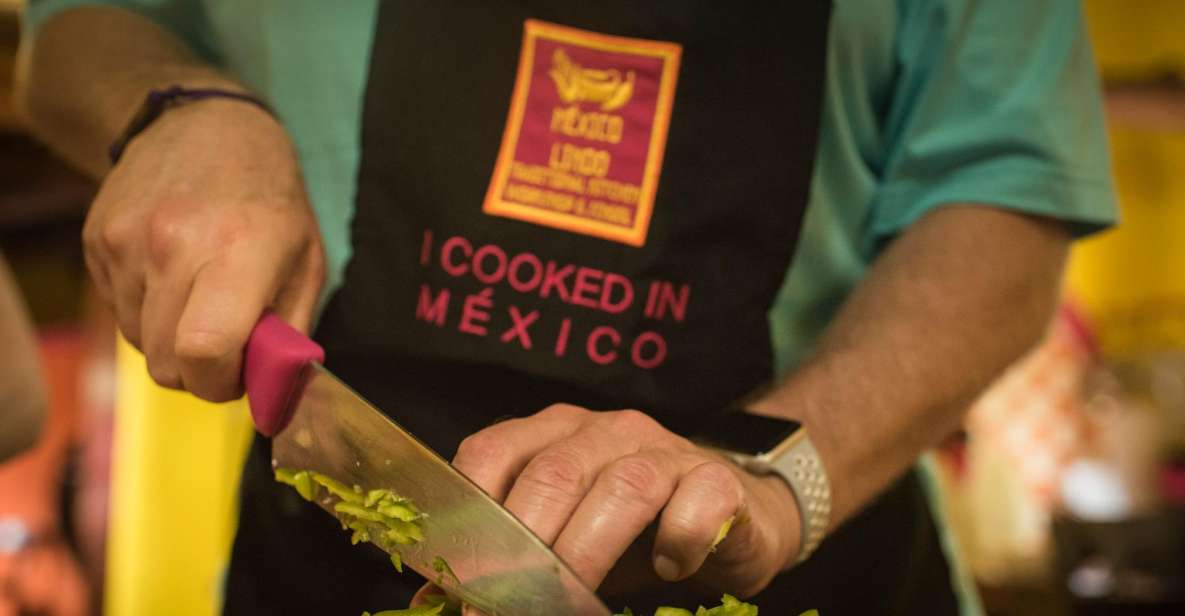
(202, 225)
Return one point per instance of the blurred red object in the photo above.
(38, 571)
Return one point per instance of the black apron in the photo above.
(615, 240)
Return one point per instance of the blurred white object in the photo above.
(14, 535)
(1092, 580)
(1094, 491)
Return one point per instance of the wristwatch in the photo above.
(765, 445)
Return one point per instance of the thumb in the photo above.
(226, 300)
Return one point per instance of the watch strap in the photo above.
(799, 464)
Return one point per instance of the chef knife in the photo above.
(318, 423)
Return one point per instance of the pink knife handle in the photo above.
(275, 357)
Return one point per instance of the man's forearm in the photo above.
(89, 70)
(951, 303)
(22, 396)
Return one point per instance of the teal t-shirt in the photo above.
(926, 103)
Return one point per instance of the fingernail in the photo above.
(666, 568)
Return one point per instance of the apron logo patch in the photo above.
(583, 145)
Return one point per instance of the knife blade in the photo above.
(317, 423)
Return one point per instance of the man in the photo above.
(548, 206)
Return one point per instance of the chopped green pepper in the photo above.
(730, 606)
(436, 605)
(340, 489)
(721, 534)
(399, 511)
(374, 496)
(358, 511)
(442, 569)
(361, 533)
(299, 480)
(423, 610)
(397, 560)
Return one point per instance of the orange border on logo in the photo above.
(636, 235)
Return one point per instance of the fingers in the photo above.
(227, 297)
(709, 496)
(127, 294)
(99, 275)
(625, 498)
(495, 456)
(555, 481)
(296, 302)
(164, 301)
(115, 265)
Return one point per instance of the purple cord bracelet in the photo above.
(159, 100)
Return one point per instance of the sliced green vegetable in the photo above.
(451, 606)
(374, 496)
(730, 606)
(358, 511)
(423, 610)
(722, 533)
(397, 560)
(361, 532)
(399, 511)
(299, 480)
(436, 606)
(339, 489)
(403, 533)
(442, 569)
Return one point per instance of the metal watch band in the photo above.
(798, 463)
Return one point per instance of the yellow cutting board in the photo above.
(174, 481)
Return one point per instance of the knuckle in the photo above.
(202, 347)
(114, 236)
(584, 556)
(558, 471)
(90, 234)
(560, 411)
(480, 450)
(633, 422)
(166, 231)
(686, 533)
(633, 478)
(719, 482)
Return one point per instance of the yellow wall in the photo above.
(1132, 280)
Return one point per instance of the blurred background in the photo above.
(1065, 492)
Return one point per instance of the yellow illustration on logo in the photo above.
(584, 140)
(576, 84)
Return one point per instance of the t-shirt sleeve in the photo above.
(184, 18)
(995, 103)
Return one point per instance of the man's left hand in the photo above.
(589, 483)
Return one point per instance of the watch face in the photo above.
(745, 432)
